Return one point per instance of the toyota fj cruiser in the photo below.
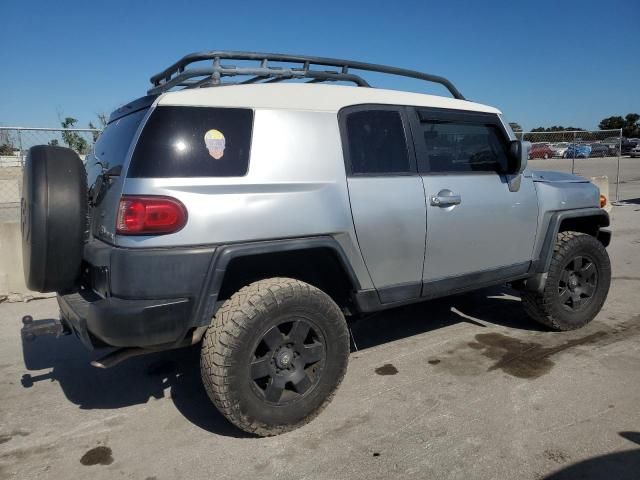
(253, 218)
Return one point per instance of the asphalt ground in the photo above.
(465, 387)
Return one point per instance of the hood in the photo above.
(556, 177)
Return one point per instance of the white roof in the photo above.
(299, 96)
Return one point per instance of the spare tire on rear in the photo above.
(53, 218)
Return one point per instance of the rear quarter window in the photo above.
(193, 142)
(110, 151)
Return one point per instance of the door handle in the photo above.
(441, 200)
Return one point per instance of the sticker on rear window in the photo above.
(214, 139)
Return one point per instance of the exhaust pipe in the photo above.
(121, 354)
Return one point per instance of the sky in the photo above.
(542, 63)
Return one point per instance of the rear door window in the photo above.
(376, 141)
(194, 142)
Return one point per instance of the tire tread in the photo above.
(540, 305)
(228, 324)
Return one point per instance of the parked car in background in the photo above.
(577, 151)
(613, 144)
(635, 151)
(599, 150)
(628, 144)
(633, 142)
(558, 149)
(540, 150)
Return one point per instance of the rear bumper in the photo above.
(118, 322)
(138, 297)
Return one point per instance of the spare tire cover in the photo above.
(53, 218)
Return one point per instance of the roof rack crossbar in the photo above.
(178, 75)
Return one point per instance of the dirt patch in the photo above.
(5, 437)
(556, 455)
(386, 369)
(97, 456)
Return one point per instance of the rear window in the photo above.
(194, 142)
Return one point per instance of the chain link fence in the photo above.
(588, 153)
(15, 143)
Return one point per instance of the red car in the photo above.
(540, 150)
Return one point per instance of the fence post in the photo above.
(20, 147)
(573, 158)
(618, 168)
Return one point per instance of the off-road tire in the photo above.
(54, 223)
(546, 307)
(230, 343)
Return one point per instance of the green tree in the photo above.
(632, 127)
(102, 122)
(630, 124)
(6, 145)
(73, 139)
(515, 126)
(611, 123)
(6, 149)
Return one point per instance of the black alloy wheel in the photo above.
(288, 361)
(578, 282)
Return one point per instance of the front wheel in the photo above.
(275, 355)
(577, 283)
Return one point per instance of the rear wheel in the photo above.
(577, 283)
(274, 356)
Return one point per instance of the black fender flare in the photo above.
(546, 253)
(208, 298)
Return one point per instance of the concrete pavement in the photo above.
(459, 388)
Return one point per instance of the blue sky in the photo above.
(542, 63)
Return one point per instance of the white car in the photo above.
(635, 151)
(559, 149)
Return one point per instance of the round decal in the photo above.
(214, 139)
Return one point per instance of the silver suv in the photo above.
(256, 217)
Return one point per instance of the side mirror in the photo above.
(518, 155)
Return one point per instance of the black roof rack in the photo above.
(179, 76)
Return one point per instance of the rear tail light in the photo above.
(603, 201)
(150, 215)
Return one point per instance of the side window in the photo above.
(377, 143)
(450, 146)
